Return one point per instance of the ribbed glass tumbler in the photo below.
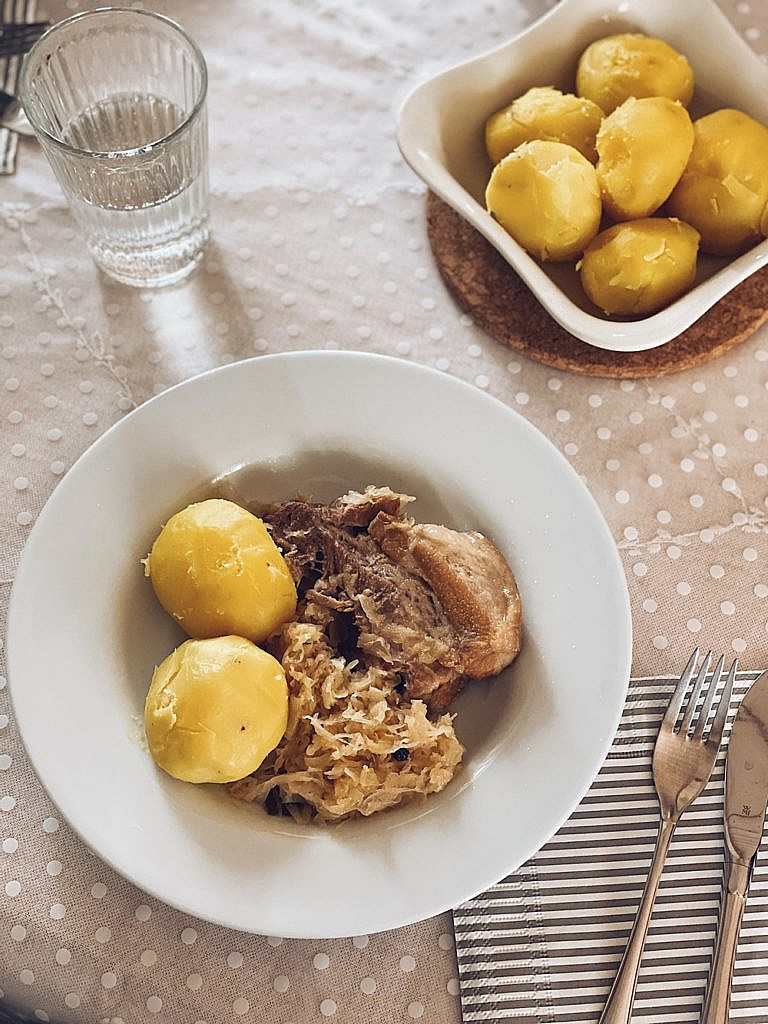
(116, 97)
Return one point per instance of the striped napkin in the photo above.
(17, 11)
(543, 946)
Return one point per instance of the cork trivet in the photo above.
(488, 289)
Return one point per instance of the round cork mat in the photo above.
(488, 289)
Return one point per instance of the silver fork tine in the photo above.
(12, 35)
(714, 682)
(21, 29)
(676, 702)
(15, 39)
(718, 723)
(700, 680)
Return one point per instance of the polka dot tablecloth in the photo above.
(319, 242)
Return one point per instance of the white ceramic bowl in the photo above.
(85, 632)
(441, 124)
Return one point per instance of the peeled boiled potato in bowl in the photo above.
(215, 709)
(546, 195)
(615, 68)
(724, 189)
(640, 266)
(547, 114)
(217, 571)
(643, 147)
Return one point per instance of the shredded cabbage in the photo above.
(352, 745)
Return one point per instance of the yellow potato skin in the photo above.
(543, 113)
(546, 195)
(724, 189)
(216, 570)
(643, 148)
(639, 267)
(215, 709)
(614, 68)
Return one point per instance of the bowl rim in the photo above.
(613, 335)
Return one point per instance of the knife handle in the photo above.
(718, 998)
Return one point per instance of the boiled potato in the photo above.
(724, 189)
(639, 267)
(546, 195)
(764, 222)
(216, 570)
(632, 64)
(543, 113)
(643, 147)
(215, 709)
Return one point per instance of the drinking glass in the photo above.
(116, 97)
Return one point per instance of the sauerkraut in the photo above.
(352, 745)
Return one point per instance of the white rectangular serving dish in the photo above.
(440, 134)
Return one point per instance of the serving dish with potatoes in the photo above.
(651, 148)
(629, 120)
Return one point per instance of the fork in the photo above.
(12, 116)
(18, 38)
(682, 764)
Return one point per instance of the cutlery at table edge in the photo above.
(18, 37)
(682, 765)
(746, 797)
(12, 116)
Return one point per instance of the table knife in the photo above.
(746, 796)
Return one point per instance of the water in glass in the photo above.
(146, 219)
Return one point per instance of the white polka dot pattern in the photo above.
(319, 242)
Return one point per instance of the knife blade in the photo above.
(746, 773)
(746, 798)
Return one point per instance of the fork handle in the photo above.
(618, 1009)
(718, 996)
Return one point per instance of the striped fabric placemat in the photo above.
(543, 945)
(17, 11)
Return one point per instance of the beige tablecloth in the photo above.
(319, 242)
